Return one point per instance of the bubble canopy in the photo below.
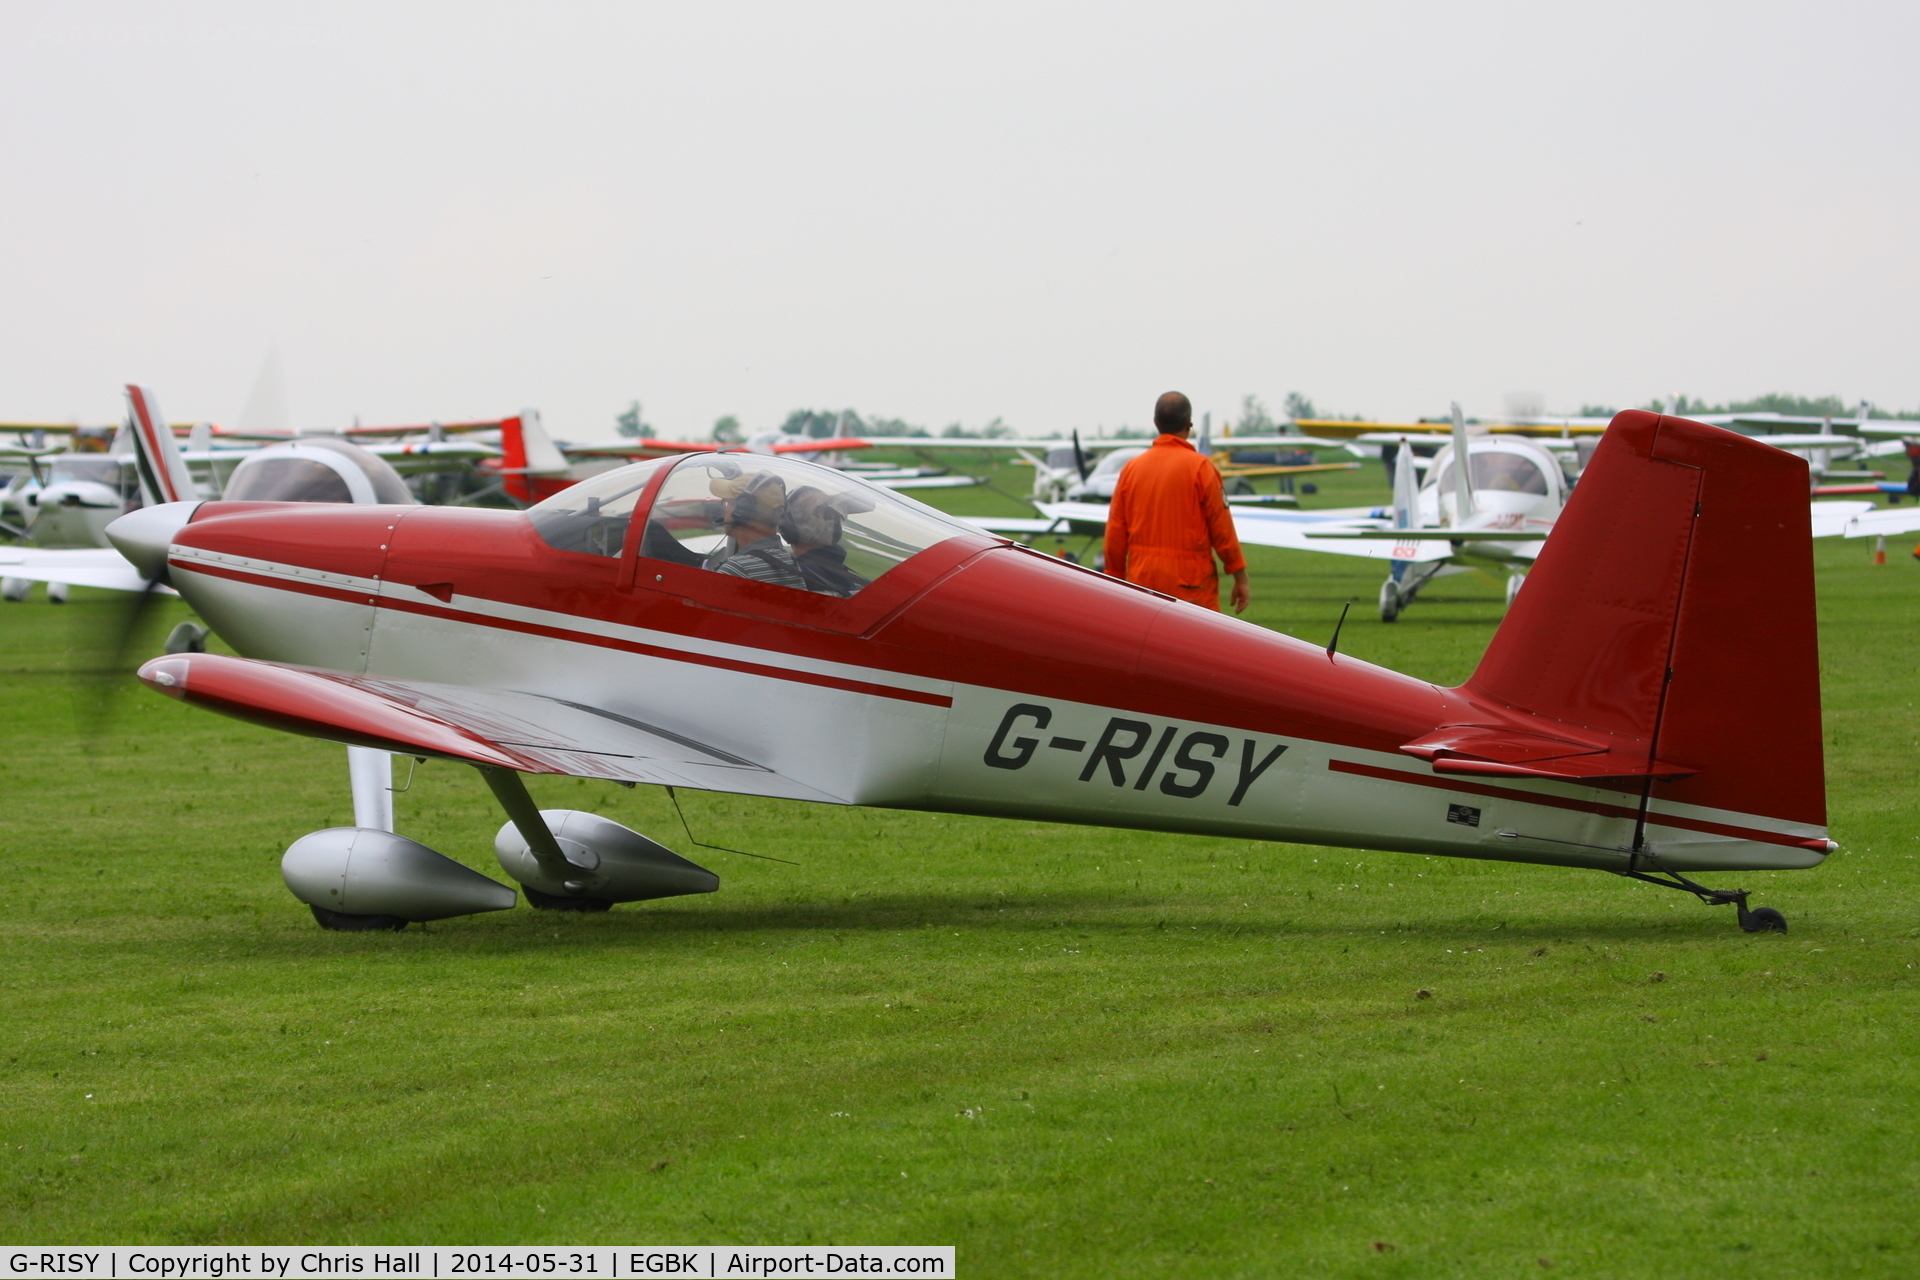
(779, 520)
(316, 469)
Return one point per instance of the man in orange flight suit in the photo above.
(1169, 516)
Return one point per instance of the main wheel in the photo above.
(1389, 601)
(555, 902)
(342, 922)
(1763, 920)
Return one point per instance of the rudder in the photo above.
(1674, 605)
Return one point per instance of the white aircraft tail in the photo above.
(163, 471)
(1462, 469)
(1406, 488)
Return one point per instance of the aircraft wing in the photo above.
(1882, 523)
(1831, 519)
(425, 428)
(924, 482)
(497, 728)
(637, 449)
(1012, 524)
(833, 444)
(1290, 529)
(74, 566)
(420, 457)
(1221, 444)
(1002, 443)
(1278, 527)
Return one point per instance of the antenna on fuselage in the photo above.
(1334, 644)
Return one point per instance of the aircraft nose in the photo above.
(143, 536)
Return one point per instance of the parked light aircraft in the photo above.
(648, 626)
(1494, 514)
(66, 516)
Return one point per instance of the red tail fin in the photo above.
(1674, 604)
(533, 465)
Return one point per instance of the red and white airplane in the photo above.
(767, 626)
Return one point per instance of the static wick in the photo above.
(1334, 644)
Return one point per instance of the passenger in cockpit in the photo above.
(756, 501)
(813, 527)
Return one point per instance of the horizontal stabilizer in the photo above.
(1477, 750)
(493, 727)
(1425, 535)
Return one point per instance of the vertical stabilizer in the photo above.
(1462, 469)
(527, 451)
(1673, 610)
(1406, 488)
(163, 472)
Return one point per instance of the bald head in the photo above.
(1173, 414)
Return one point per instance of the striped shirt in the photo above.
(767, 560)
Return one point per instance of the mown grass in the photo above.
(1067, 1051)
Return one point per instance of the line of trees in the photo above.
(1254, 418)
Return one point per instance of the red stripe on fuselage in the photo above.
(561, 633)
(1580, 806)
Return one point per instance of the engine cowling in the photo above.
(364, 873)
(609, 862)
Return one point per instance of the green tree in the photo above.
(629, 423)
(1254, 418)
(1299, 406)
(727, 430)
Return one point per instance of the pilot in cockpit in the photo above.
(755, 503)
(812, 526)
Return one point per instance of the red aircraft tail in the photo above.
(533, 466)
(1674, 604)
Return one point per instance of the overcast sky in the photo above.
(1046, 214)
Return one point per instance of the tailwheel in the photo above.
(1752, 920)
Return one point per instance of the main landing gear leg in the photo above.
(1757, 920)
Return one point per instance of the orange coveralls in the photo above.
(1169, 515)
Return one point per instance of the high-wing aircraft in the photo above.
(1492, 514)
(767, 626)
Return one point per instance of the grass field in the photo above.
(1070, 1052)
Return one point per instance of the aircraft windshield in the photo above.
(289, 480)
(1112, 464)
(100, 470)
(592, 516)
(788, 523)
(1508, 472)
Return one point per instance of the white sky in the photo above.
(1048, 214)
